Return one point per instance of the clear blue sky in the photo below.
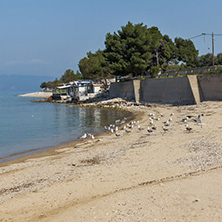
(46, 37)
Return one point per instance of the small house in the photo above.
(77, 90)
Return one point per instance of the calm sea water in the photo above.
(26, 125)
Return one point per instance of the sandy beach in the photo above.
(173, 175)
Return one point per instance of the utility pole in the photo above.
(213, 47)
(204, 34)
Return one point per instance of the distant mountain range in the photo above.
(23, 82)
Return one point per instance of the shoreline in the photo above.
(137, 176)
(51, 150)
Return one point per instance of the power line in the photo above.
(204, 34)
(195, 36)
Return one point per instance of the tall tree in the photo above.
(186, 52)
(128, 50)
(155, 44)
(68, 76)
(219, 59)
(94, 66)
(167, 52)
(205, 60)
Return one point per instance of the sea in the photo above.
(28, 127)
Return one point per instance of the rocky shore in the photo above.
(135, 175)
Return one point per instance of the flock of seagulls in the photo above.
(121, 125)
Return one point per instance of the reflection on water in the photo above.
(26, 125)
(79, 120)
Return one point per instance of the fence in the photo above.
(190, 71)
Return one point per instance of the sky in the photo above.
(47, 37)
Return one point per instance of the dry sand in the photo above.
(162, 176)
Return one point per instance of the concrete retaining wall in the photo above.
(167, 91)
(124, 90)
(178, 90)
(210, 87)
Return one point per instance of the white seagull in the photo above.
(127, 131)
(84, 136)
(92, 136)
(184, 119)
(188, 128)
(130, 126)
(139, 128)
(154, 127)
(117, 134)
(199, 118)
(166, 123)
(164, 128)
(149, 130)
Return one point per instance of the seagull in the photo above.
(105, 127)
(139, 128)
(164, 128)
(188, 128)
(124, 127)
(116, 129)
(92, 137)
(199, 119)
(117, 134)
(170, 119)
(154, 127)
(149, 130)
(111, 130)
(84, 136)
(171, 114)
(184, 119)
(127, 131)
(166, 123)
(151, 122)
(161, 114)
(130, 126)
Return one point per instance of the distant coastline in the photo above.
(37, 94)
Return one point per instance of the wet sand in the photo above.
(138, 176)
